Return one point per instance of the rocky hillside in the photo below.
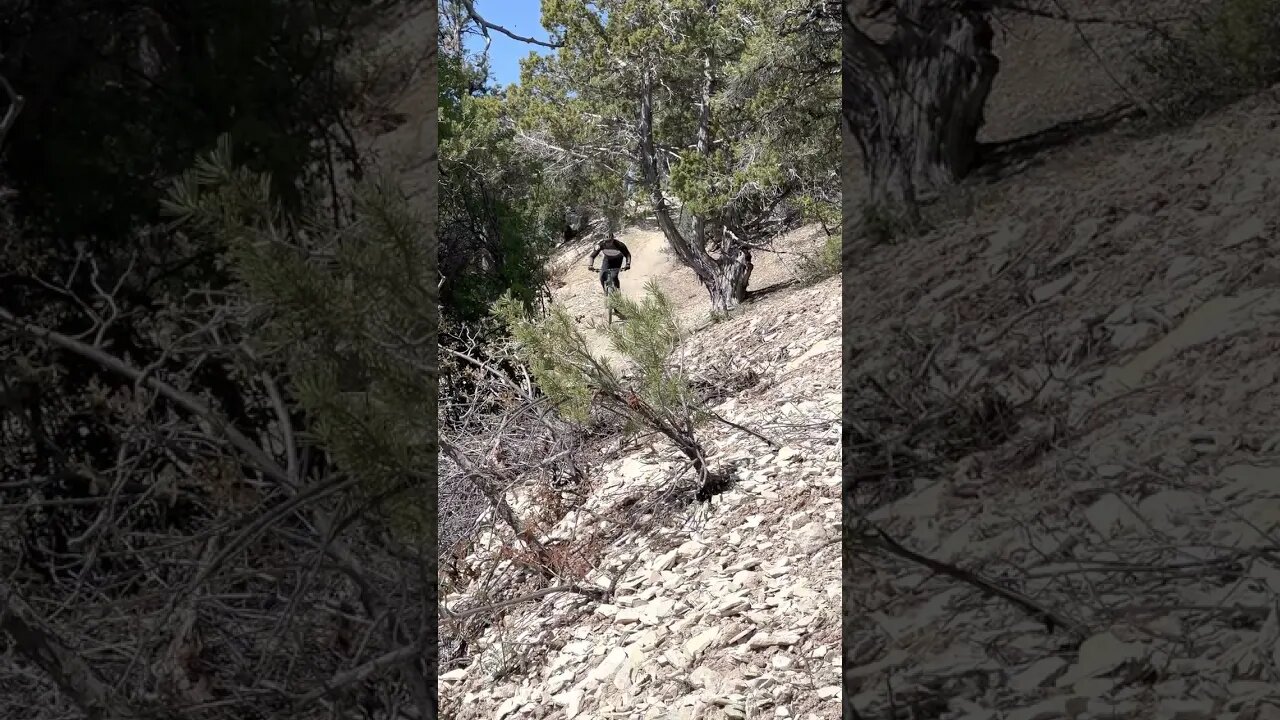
(723, 610)
(1100, 336)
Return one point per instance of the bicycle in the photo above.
(610, 281)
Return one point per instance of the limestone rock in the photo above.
(1099, 655)
(778, 639)
(1037, 675)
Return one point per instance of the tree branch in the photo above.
(486, 26)
(185, 400)
(16, 102)
(874, 537)
(43, 648)
(1064, 16)
(264, 462)
(360, 673)
(591, 592)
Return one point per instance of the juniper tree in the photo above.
(326, 499)
(194, 472)
(1222, 52)
(715, 112)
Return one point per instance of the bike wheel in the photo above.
(609, 289)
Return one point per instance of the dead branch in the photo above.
(184, 400)
(591, 592)
(213, 431)
(16, 103)
(359, 674)
(43, 648)
(1063, 16)
(874, 537)
(486, 26)
(720, 418)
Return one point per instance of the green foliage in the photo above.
(648, 339)
(574, 377)
(1227, 51)
(881, 226)
(516, 161)
(812, 209)
(559, 357)
(827, 260)
(550, 107)
(349, 312)
(123, 96)
(773, 108)
(709, 184)
(780, 96)
(833, 251)
(456, 76)
(823, 263)
(499, 215)
(498, 230)
(656, 396)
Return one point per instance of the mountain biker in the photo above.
(616, 259)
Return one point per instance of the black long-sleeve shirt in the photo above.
(615, 252)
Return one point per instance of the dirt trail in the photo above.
(652, 259)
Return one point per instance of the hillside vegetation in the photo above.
(604, 486)
(218, 343)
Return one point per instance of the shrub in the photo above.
(882, 227)
(654, 395)
(823, 262)
(1225, 52)
(348, 313)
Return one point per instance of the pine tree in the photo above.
(350, 312)
(656, 395)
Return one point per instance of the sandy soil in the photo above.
(578, 288)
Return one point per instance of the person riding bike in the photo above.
(617, 257)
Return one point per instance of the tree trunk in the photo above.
(681, 434)
(725, 276)
(914, 101)
(733, 272)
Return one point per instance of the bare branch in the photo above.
(16, 102)
(486, 26)
(591, 592)
(359, 674)
(185, 400)
(1064, 16)
(50, 653)
(874, 537)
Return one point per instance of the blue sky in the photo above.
(522, 17)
